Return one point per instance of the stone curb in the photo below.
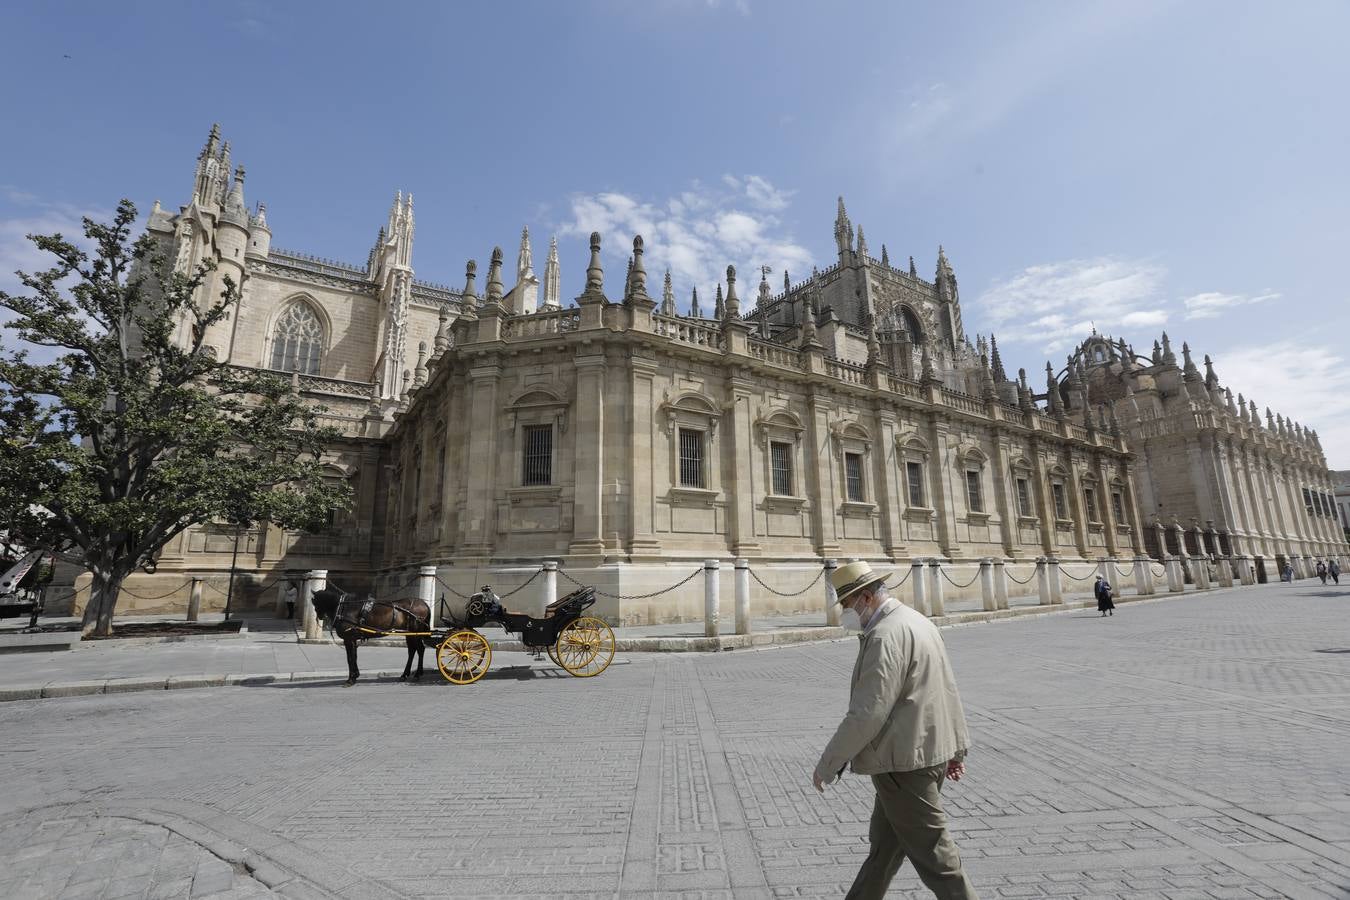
(758, 640)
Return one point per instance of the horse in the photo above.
(355, 620)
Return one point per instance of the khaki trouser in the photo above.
(908, 821)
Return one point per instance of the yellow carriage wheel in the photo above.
(552, 651)
(585, 647)
(464, 656)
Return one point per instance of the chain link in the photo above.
(779, 593)
(523, 586)
(903, 578)
(160, 596)
(973, 579)
(1015, 580)
(692, 575)
(442, 583)
(1123, 573)
(1072, 577)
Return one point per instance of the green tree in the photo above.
(127, 437)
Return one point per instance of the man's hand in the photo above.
(955, 769)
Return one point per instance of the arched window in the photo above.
(297, 341)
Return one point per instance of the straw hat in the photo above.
(853, 577)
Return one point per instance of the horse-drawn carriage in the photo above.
(581, 645)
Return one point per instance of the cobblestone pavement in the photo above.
(1189, 748)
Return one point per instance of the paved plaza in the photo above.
(1192, 747)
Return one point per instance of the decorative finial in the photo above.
(639, 288)
(494, 282)
(668, 296)
(595, 274)
(913, 272)
(733, 307)
(885, 257)
(693, 306)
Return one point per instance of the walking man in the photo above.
(905, 728)
(1334, 570)
(1322, 571)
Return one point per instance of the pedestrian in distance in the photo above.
(1334, 570)
(906, 728)
(291, 594)
(1102, 590)
(1288, 573)
(1322, 571)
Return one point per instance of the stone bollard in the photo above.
(550, 591)
(1243, 566)
(426, 592)
(712, 573)
(939, 605)
(1225, 572)
(1176, 582)
(987, 584)
(742, 579)
(1143, 582)
(1056, 583)
(831, 598)
(1043, 581)
(1200, 573)
(315, 580)
(195, 600)
(919, 577)
(1000, 584)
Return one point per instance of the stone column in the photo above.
(1043, 581)
(426, 592)
(1056, 582)
(480, 515)
(831, 598)
(821, 481)
(919, 577)
(1000, 584)
(741, 446)
(712, 575)
(742, 596)
(888, 492)
(1142, 573)
(939, 606)
(987, 584)
(589, 428)
(550, 590)
(194, 609)
(316, 580)
(941, 471)
(642, 539)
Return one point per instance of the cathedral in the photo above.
(847, 415)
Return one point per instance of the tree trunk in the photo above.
(98, 613)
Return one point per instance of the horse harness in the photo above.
(363, 616)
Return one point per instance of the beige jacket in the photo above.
(904, 712)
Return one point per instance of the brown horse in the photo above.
(355, 620)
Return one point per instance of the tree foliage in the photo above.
(135, 431)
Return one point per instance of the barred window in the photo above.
(780, 460)
(914, 475)
(297, 342)
(1023, 497)
(537, 460)
(1061, 508)
(974, 500)
(1307, 499)
(691, 458)
(1118, 506)
(853, 477)
(1090, 504)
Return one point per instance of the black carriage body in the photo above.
(485, 607)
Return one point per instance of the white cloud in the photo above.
(696, 234)
(1055, 305)
(1209, 305)
(1306, 381)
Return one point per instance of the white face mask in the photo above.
(850, 620)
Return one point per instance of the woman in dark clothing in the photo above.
(1103, 591)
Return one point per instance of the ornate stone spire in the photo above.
(552, 277)
(1211, 380)
(987, 387)
(628, 281)
(733, 306)
(843, 230)
(1023, 390)
(1191, 372)
(765, 292)
(787, 282)
(1270, 419)
(809, 326)
(862, 244)
(885, 257)
(1052, 395)
(668, 296)
(999, 374)
(1157, 354)
(693, 305)
(913, 272)
(1242, 408)
(719, 310)
(1255, 416)
(525, 258)
(639, 278)
(1228, 401)
(494, 281)
(1168, 357)
(420, 372)
(470, 291)
(595, 273)
(442, 331)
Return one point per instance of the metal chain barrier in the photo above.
(1073, 577)
(160, 596)
(1015, 580)
(954, 584)
(450, 589)
(692, 575)
(779, 593)
(537, 573)
(903, 578)
(1126, 573)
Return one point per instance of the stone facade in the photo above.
(846, 416)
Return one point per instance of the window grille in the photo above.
(1090, 504)
(1307, 499)
(853, 477)
(537, 460)
(1057, 492)
(691, 458)
(914, 474)
(1118, 507)
(297, 342)
(973, 498)
(780, 460)
(1023, 497)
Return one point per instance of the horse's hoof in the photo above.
(348, 683)
(403, 678)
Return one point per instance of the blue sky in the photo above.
(1137, 165)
